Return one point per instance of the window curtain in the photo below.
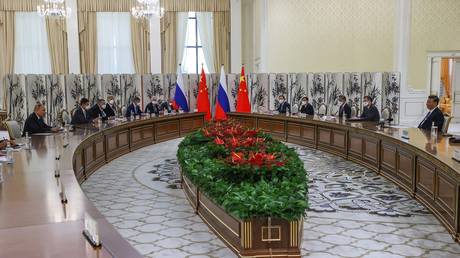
(221, 28)
(182, 20)
(206, 30)
(87, 35)
(7, 37)
(31, 51)
(221, 17)
(140, 40)
(168, 42)
(114, 48)
(57, 40)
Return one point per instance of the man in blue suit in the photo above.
(134, 108)
(434, 114)
(81, 115)
(283, 105)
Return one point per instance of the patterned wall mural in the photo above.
(59, 92)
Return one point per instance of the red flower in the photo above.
(257, 159)
(249, 141)
(206, 133)
(251, 133)
(279, 163)
(218, 141)
(234, 142)
(237, 157)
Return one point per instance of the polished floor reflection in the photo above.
(354, 212)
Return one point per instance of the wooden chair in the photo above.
(14, 129)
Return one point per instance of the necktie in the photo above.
(424, 119)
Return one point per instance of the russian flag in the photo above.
(222, 105)
(180, 96)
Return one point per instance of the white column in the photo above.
(155, 45)
(263, 63)
(73, 45)
(402, 40)
(235, 35)
(412, 102)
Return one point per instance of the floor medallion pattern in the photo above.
(354, 212)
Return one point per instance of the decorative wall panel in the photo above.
(16, 97)
(170, 85)
(372, 86)
(334, 86)
(193, 83)
(130, 85)
(297, 85)
(391, 93)
(92, 87)
(316, 90)
(36, 91)
(259, 86)
(56, 96)
(152, 86)
(111, 87)
(214, 85)
(74, 90)
(278, 86)
(233, 85)
(353, 91)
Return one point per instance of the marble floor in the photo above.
(353, 213)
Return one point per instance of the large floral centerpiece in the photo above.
(245, 171)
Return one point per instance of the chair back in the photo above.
(445, 126)
(354, 111)
(123, 111)
(386, 113)
(14, 129)
(322, 110)
(295, 109)
(65, 117)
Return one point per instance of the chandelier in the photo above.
(54, 9)
(147, 8)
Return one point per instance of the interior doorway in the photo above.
(444, 81)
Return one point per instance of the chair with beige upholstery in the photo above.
(354, 111)
(445, 126)
(322, 110)
(14, 129)
(386, 114)
(65, 118)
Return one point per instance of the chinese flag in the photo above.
(242, 100)
(202, 101)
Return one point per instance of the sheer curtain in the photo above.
(31, 50)
(114, 49)
(206, 31)
(182, 20)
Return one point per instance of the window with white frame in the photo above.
(114, 48)
(31, 50)
(198, 49)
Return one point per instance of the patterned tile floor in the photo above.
(354, 212)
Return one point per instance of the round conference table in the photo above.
(35, 223)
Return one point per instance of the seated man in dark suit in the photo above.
(34, 122)
(98, 110)
(164, 105)
(134, 107)
(370, 111)
(110, 108)
(81, 115)
(283, 105)
(434, 114)
(153, 107)
(344, 107)
(306, 108)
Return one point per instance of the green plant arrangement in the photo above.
(245, 171)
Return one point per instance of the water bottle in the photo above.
(1, 173)
(27, 141)
(434, 132)
(9, 153)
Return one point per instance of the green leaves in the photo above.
(246, 191)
